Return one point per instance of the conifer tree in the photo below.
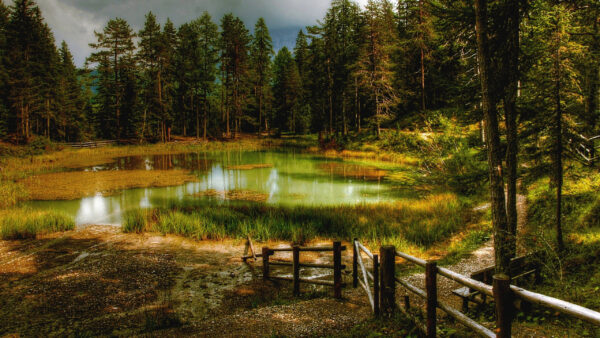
(235, 44)
(207, 58)
(116, 68)
(260, 55)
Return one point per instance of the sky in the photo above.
(75, 21)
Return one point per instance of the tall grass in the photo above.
(11, 193)
(422, 223)
(24, 223)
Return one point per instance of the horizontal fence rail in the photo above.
(502, 291)
(337, 265)
(91, 144)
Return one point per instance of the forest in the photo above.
(437, 126)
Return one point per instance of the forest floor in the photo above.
(100, 281)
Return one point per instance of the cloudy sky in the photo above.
(75, 20)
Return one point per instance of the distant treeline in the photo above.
(357, 68)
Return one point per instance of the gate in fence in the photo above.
(296, 265)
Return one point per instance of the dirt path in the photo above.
(99, 281)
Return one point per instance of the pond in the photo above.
(275, 178)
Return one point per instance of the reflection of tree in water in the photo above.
(190, 161)
(356, 171)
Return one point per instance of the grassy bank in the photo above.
(412, 225)
(25, 223)
(574, 274)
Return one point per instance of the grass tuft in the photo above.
(23, 223)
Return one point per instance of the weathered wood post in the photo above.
(388, 279)
(504, 307)
(376, 284)
(265, 257)
(431, 286)
(296, 266)
(337, 270)
(355, 253)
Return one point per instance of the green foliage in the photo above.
(135, 221)
(23, 223)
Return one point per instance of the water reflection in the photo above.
(189, 161)
(292, 179)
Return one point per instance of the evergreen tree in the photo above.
(4, 112)
(260, 54)
(116, 68)
(208, 58)
(375, 66)
(235, 45)
(70, 102)
(286, 94)
(27, 38)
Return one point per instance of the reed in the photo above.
(421, 223)
(24, 223)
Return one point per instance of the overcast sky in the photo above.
(75, 20)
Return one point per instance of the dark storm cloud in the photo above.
(75, 20)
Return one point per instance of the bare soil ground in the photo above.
(99, 281)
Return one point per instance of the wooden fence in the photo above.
(92, 144)
(367, 276)
(382, 297)
(502, 292)
(337, 266)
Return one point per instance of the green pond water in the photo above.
(288, 178)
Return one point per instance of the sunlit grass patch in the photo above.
(77, 184)
(11, 193)
(25, 223)
(410, 223)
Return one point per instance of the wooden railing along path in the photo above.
(382, 294)
(501, 290)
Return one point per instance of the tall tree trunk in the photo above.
(592, 95)
(501, 233)
(558, 168)
(511, 70)
(423, 107)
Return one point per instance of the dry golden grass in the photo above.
(250, 166)
(354, 171)
(235, 195)
(73, 185)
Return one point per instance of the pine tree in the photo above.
(235, 44)
(70, 102)
(208, 58)
(116, 68)
(260, 55)
(286, 93)
(375, 66)
(27, 37)
(4, 112)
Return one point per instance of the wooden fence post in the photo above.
(355, 252)
(265, 257)
(431, 286)
(388, 279)
(504, 306)
(296, 266)
(376, 284)
(337, 270)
